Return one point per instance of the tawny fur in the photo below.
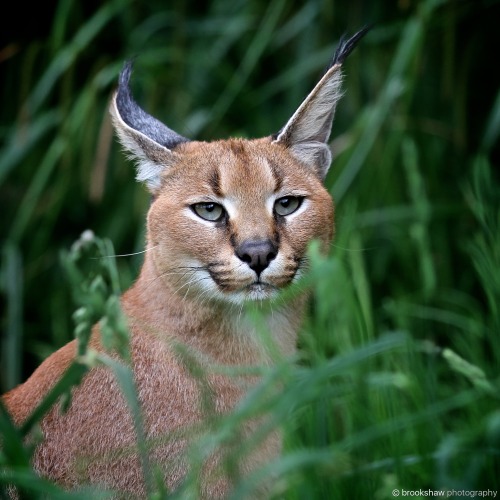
(162, 310)
(189, 292)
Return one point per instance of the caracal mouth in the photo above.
(259, 290)
(255, 290)
(260, 285)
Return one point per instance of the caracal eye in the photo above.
(287, 205)
(209, 211)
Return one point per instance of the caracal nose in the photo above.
(258, 254)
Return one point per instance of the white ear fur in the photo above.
(307, 132)
(151, 158)
(315, 154)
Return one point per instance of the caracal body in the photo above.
(230, 222)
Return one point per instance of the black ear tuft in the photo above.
(136, 118)
(125, 73)
(346, 46)
(149, 141)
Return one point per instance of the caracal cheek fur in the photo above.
(230, 222)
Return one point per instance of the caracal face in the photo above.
(232, 220)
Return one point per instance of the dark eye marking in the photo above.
(277, 177)
(214, 182)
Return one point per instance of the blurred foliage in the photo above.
(398, 380)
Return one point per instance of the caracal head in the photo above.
(231, 219)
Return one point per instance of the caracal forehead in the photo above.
(245, 169)
(236, 168)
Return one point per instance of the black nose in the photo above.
(257, 254)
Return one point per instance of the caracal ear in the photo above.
(308, 130)
(148, 141)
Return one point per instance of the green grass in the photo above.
(396, 381)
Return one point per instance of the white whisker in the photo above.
(208, 293)
(171, 272)
(125, 254)
(189, 283)
(241, 311)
